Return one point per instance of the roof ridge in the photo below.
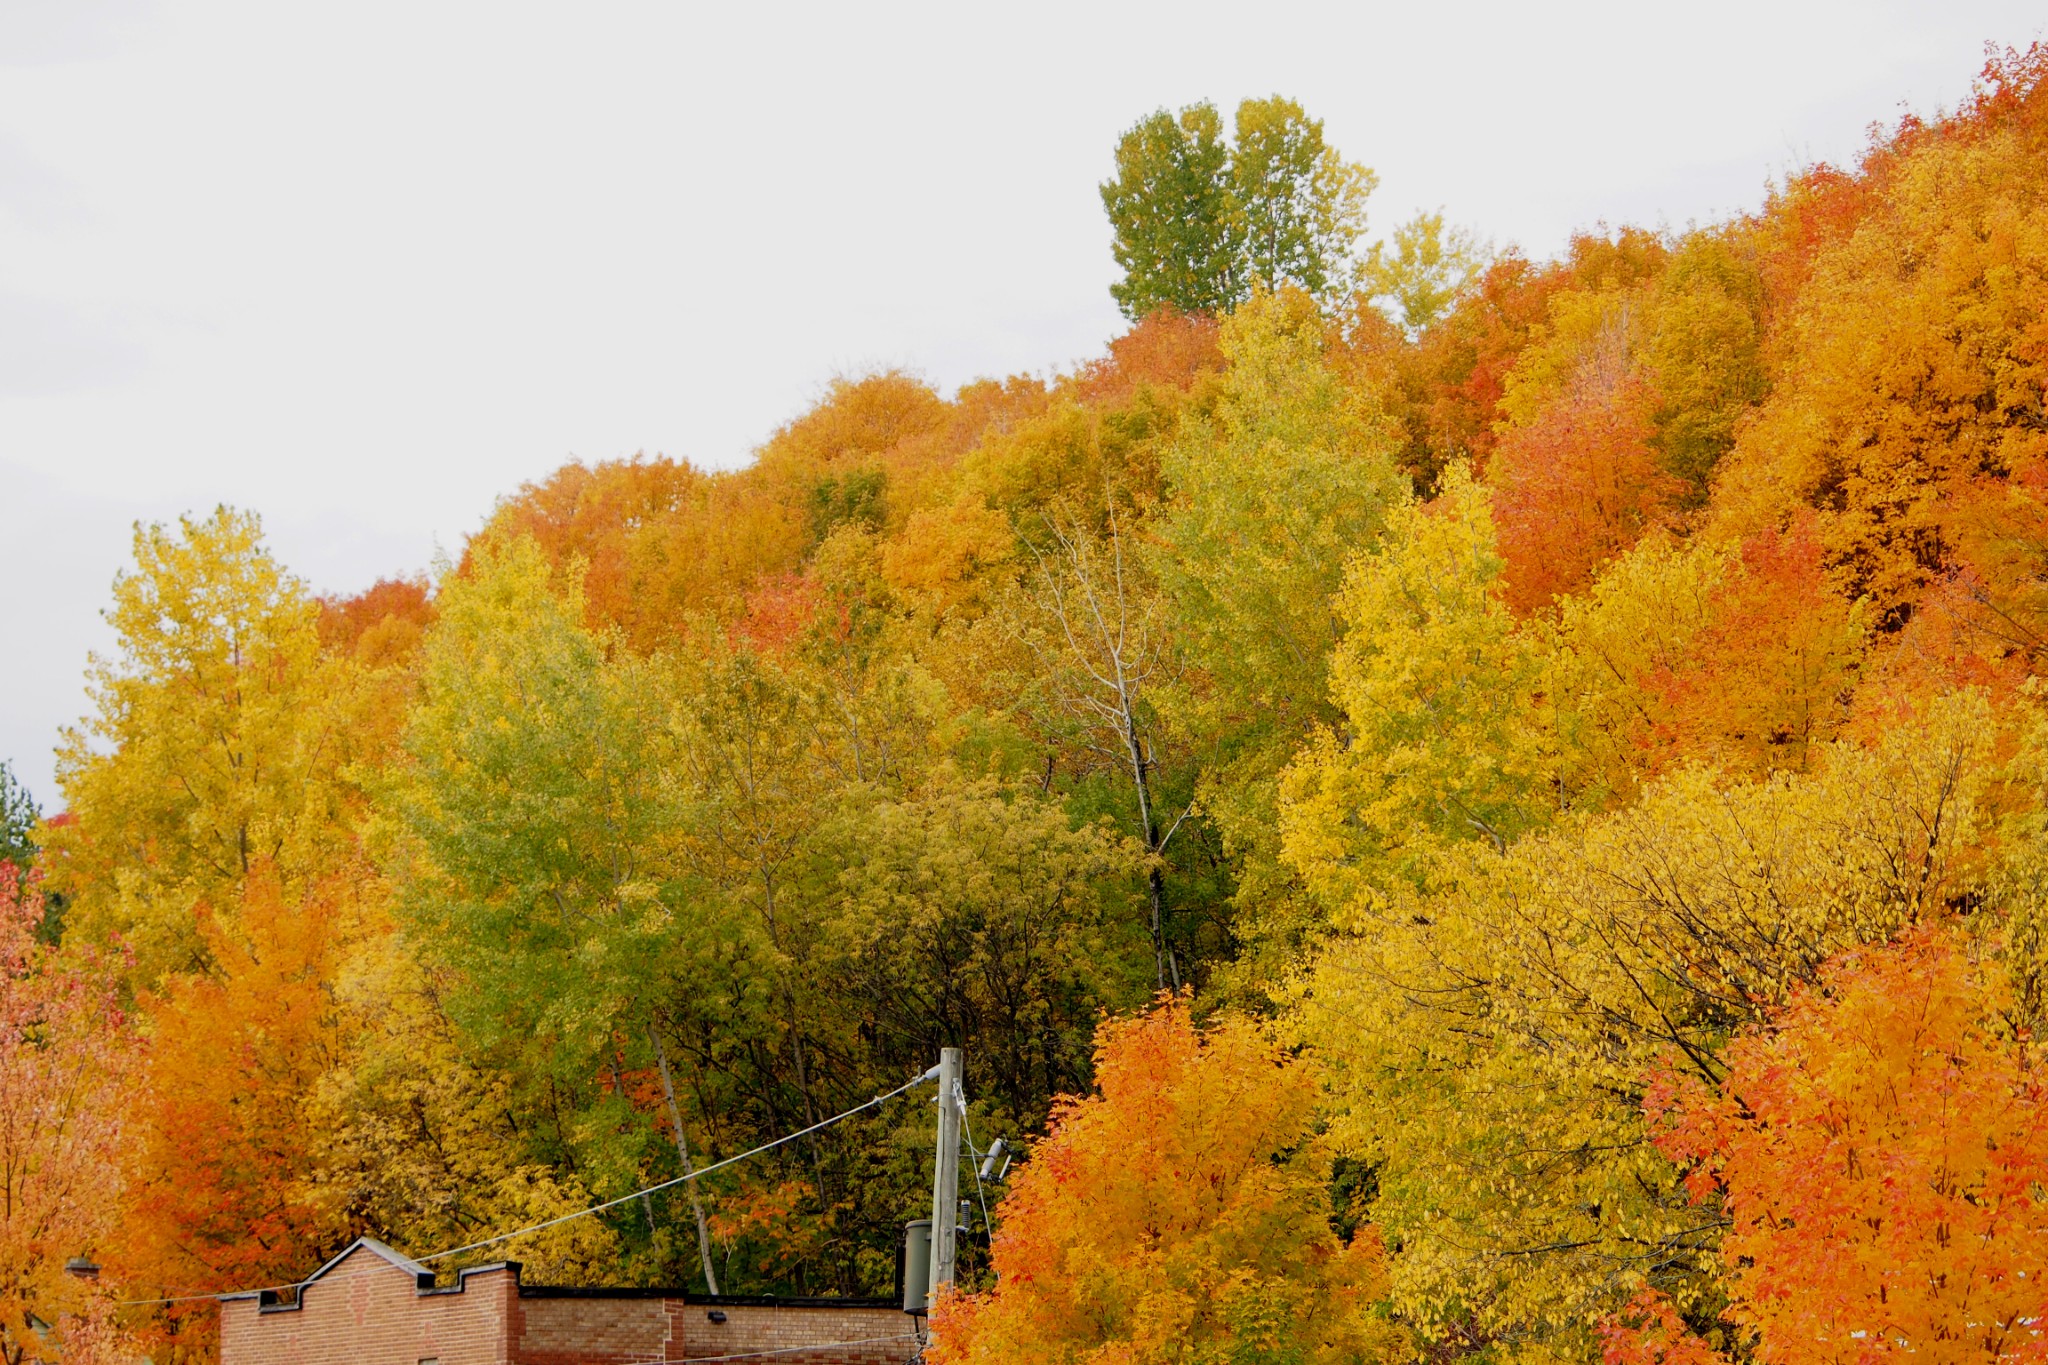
(397, 1259)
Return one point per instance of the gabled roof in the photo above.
(398, 1262)
(422, 1277)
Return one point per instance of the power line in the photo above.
(568, 1217)
(679, 1180)
(232, 1293)
(980, 1194)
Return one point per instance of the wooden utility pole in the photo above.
(946, 1170)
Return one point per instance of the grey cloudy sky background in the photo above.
(365, 268)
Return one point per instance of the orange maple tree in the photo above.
(1166, 347)
(382, 622)
(224, 1191)
(1763, 682)
(1178, 1211)
(1573, 488)
(1882, 1157)
(1913, 362)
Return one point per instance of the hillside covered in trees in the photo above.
(1525, 782)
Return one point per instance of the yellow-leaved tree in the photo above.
(217, 745)
(1443, 738)
(1488, 1038)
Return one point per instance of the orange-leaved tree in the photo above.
(1882, 1155)
(1180, 1214)
(1913, 402)
(1575, 486)
(63, 1064)
(226, 1184)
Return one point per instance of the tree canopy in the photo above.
(1458, 807)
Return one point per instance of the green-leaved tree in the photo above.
(1202, 224)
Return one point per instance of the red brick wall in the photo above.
(367, 1311)
(753, 1328)
(608, 1331)
(592, 1331)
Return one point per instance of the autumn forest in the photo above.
(1457, 806)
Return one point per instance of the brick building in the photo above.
(372, 1306)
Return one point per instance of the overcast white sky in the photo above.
(365, 268)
